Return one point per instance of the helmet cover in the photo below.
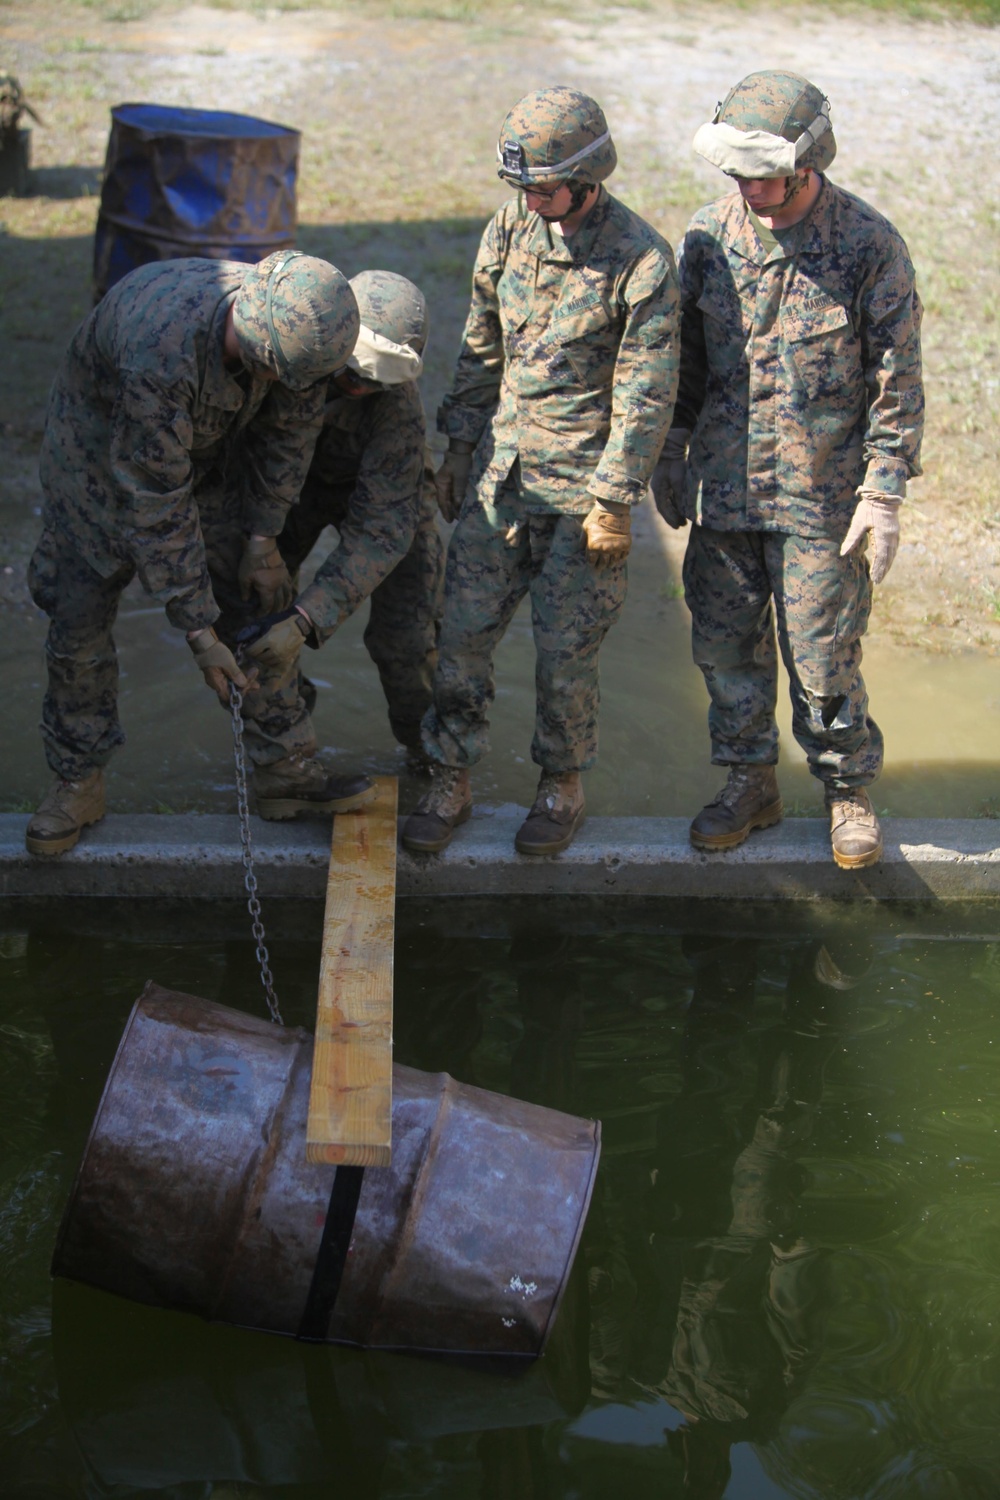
(393, 327)
(771, 124)
(555, 135)
(297, 316)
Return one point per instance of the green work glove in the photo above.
(452, 479)
(607, 530)
(667, 482)
(218, 664)
(877, 514)
(262, 568)
(280, 648)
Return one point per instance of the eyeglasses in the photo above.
(544, 193)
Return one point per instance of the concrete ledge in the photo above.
(199, 856)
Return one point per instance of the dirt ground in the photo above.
(399, 112)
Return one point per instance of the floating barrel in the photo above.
(195, 1193)
(192, 182)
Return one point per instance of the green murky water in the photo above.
(788, 1285)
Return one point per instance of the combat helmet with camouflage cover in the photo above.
(393, 330)
(297, 316)
(555, 136)
(771, 124)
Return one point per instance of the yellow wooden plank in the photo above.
(350, 1098)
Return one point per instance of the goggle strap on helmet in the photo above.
(276, 349)
(380, 359)
(557, 169)
(758, 153)
(814, 130)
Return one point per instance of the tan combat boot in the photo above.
(749, 799)
(855, 835)
(439, 812)
(556, 815)
(301, 783)
(64, 812)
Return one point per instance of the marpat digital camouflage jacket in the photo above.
(800, 366)
(569, 357)
(144, 414)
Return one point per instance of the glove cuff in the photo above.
(615, 523)
(878, 497)
(675, 443)
(202, 640)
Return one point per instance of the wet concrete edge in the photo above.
(147, 855)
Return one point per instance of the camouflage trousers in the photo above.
(80, 727)
(739, 586)
(401, 636)
(499, 553)
(276, 717)
(80, 724)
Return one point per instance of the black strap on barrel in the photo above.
(332, 1254)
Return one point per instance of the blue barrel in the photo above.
(193, 182)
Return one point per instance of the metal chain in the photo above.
(249, 878)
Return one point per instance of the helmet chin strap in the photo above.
(793, 187)
(577, 196)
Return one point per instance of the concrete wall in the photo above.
(200, 856)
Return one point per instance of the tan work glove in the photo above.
(280, 648)
(608, 533)
(452, 479)
(218, 664)
(667, 482)
(262, 567)
(878, 514)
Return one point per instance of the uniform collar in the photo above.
(551, 247)
(811, 236)
(221, 387)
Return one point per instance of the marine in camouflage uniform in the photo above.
(800, 390)
(367, 479)
(178, 433)
(560, 402)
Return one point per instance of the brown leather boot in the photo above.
(855, 835)
(557, 813)
(302, 783)
(440, 811)
(749, 799)
(66, 809)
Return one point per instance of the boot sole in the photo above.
(434, 846)
(45, 847)
(766, 818)
(280, 809)
(557, 845)
(858, 861)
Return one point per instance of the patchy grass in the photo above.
(468, 12)
(399, 130)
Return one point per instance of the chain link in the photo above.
(249, 878)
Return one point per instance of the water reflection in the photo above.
(754, 1291)
(788, 1284)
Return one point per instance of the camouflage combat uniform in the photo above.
(800, 380)
(566, 381)
(157, 459)
(367, 480)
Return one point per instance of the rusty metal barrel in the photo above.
(202, 182)
(194, 1193)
